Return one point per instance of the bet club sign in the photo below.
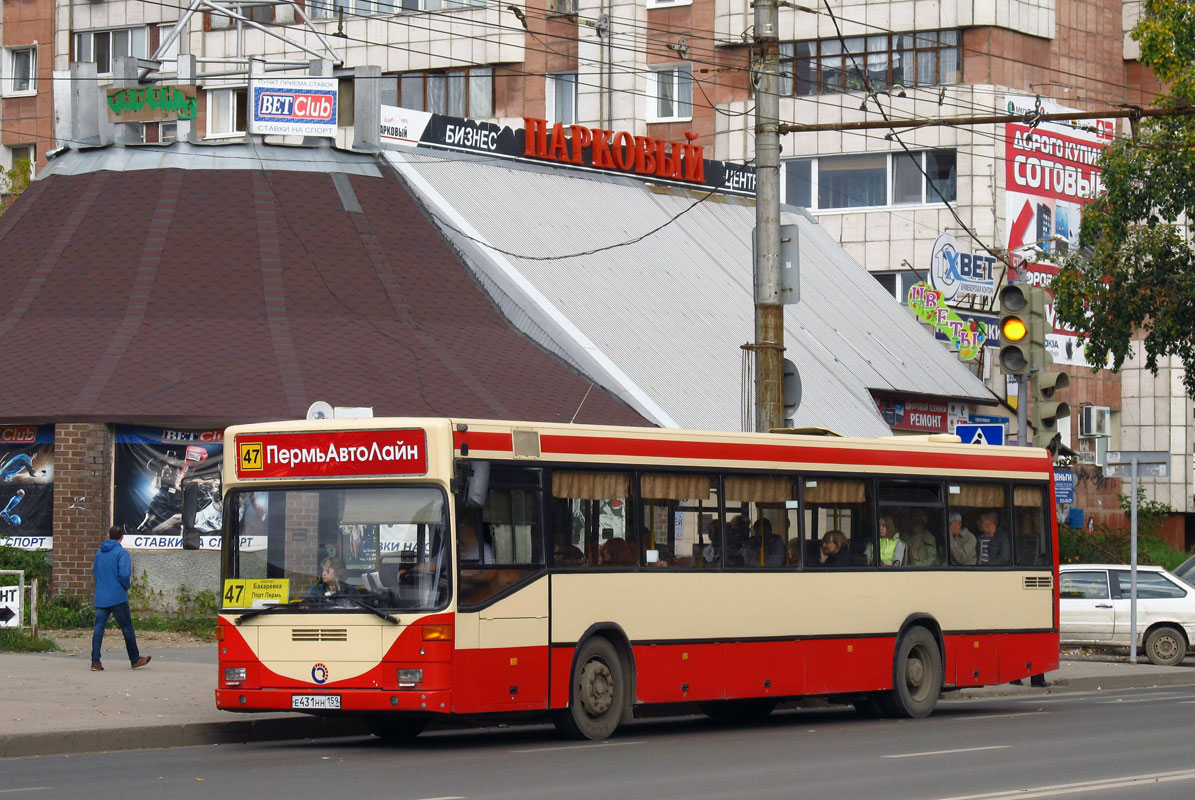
(332, 454)
(294, 106)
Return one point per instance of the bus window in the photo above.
(760, 522)
(837, 504)
(592, 527)
(679, 513)
(983, 508)
(1032, 545)
(502, 545)
(918, 518)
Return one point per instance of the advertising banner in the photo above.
(1051, 172)
(965, 336)
(926, 416)
(153, 467)
(574, 146)
(961, 274)
(27, 486)
(294, 106)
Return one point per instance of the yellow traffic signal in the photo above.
(1014, 330)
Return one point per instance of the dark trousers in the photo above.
(124, 618)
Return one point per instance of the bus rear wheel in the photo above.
(917, 676)
(597, 693)
(394, 728)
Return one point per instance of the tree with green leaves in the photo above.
(13, 182)
(1134, 272)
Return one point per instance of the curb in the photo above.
(271, 729)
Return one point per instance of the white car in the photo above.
(1094, 610)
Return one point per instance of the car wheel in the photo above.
(1166, 646)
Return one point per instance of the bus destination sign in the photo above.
(332, 454)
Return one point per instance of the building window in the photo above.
(20, 70)
(226, 111)
(21, 157)
(465, 92)
(103, 46)
(898, 284)
(561, 98)
(871, 180)
(260, 13)
(668, 3)
(670, 93)
(159, 132)
(830, 66)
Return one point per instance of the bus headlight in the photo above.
(233, 675)
(407, 678)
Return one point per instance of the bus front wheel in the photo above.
(917, 676)
(596, 695)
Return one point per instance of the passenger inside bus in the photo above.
(834, 551)
(763, 548)
(618, 553)
(992, 544)
(892, 546)
(921, 545)
(737, 533)
(962, 542)
(470, 547)
(332, 580)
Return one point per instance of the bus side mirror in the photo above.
(191, 540)
(479, 484)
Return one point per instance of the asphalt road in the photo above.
(1127, 744)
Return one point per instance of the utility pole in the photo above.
(769, 312)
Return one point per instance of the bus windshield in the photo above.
(386, 546)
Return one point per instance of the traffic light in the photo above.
(1023, 330)
(1047, 408)
(1014, 330)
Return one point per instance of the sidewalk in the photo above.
(53, 704)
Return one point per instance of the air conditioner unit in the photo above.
(1095, 421)
(1093, 451)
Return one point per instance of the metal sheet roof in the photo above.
(661, 321)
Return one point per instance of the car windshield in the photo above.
(385, 547)
(1186, 571)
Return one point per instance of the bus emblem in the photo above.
(319, 673)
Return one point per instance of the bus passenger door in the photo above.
(512, 664)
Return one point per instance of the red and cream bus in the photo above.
(409, 569)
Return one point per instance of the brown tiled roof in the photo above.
(214, 295)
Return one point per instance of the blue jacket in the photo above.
(112, 570)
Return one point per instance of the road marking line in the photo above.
(446, 797)
(572, 747)
(27, 789)
(966, 718)
(1139, 700)
(1081, 786)
(945, 752)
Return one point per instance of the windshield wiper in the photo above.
(362, 604)
(294, 606)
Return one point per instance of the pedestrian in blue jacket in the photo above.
(113, 572)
